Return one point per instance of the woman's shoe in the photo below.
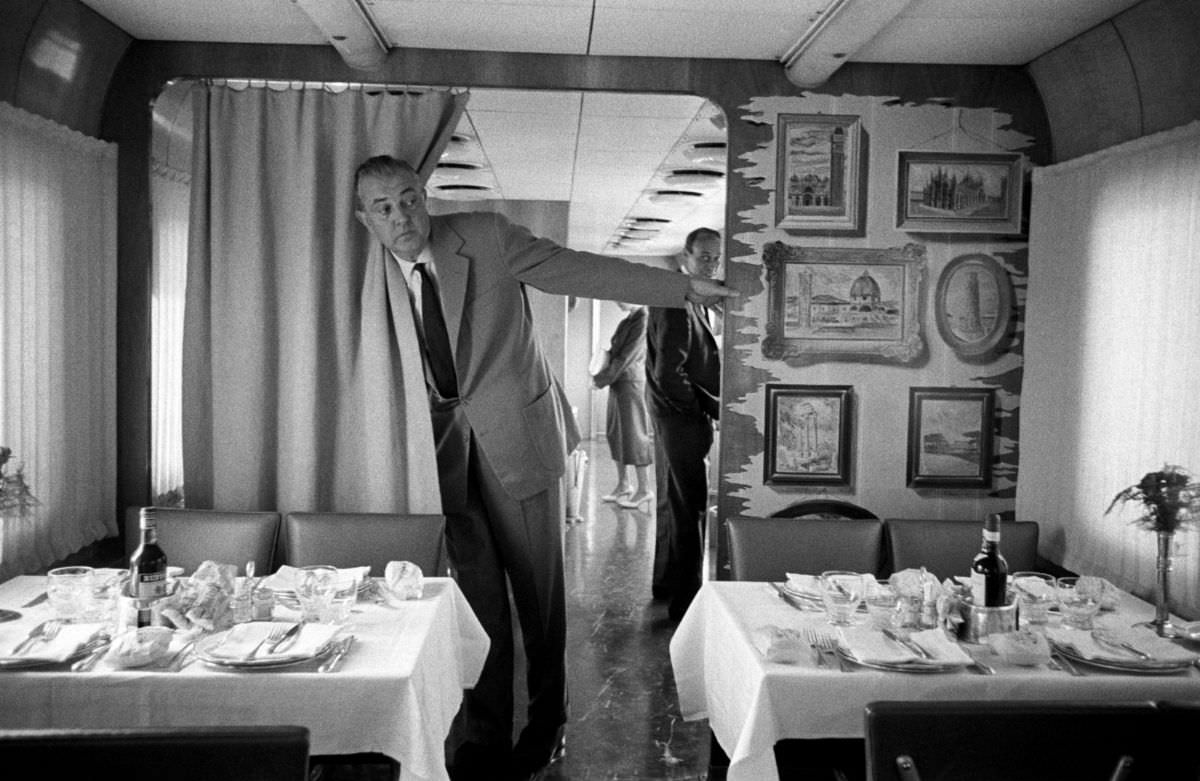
(637, 501)
(617, 496)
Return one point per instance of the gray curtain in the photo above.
(302, 384)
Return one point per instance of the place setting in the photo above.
(263, 645)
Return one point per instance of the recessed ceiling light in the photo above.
(674, 196)
(694, 177)
(648, 220)
(464, 192)
(712, 152)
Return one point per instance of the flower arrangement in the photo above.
(1171, 497)
(15, 496)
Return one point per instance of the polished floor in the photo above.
(624, 722)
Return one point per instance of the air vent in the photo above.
(649, 220)
(674, 196)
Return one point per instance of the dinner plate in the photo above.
(1134, 666)
(287, 597)
(902, 667)
(34, 662)
(208, 644)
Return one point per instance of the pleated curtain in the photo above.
(302, 382)
(58, 263)
(1112, 362)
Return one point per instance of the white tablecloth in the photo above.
(751, 703)
(396, 692)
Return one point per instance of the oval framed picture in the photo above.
(973, 306)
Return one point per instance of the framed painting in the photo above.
(807, 438)
(953, 192)
(827, 304)
(950, 437)
(973, 307)
(819, 185)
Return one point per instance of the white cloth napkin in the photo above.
(778, 644)
(284, 578)
(804, 585)
(242, 639)
(1141, 638)
(870, 645)
(64, 645)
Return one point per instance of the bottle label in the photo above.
(150, 584)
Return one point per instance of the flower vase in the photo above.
(1162, 592)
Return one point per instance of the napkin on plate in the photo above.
(284, 578)
(242, 639)
(778, 644)
(64, 645)
(868, 644)
(1142, 638)
(804, 585)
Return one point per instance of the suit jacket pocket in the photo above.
(526, 450)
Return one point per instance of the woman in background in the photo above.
(628, 425)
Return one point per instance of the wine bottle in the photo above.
(989, 570)
(147, 568)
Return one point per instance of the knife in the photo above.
(336, 659)
(39, 599)
(793, 600)
(288, 638)
(909, 644)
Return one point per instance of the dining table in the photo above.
(719, 655)
(395, 693)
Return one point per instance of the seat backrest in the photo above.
(769, 548)
(831, 508)
(946, 547)
(991, 740)
(247, 753)
(190, 536)
(358, 539)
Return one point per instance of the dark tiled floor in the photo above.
(624, 715)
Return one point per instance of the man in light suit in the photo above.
(683, 387)
(502, 429)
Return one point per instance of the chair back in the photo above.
(769, 548)
(946, 547)
(189, 537)
(828, 508)
(358, 539)
(994, 740)
(247, 753)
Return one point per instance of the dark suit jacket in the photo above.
(683, 368)
(514, 404)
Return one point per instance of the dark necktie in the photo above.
(437, 339)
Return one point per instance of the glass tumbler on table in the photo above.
(882, 602)
(842, 593)
(315, 587)
(1079, 599)
(70, 592)
(1036, 594)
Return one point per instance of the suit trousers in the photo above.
(497, 543)
(683, 441)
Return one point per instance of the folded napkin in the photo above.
(1142, 638)
(242, 639)
(64, 645)
(804, 585)
(778, 644)
(1023, 648)
(867, 644)
(284, 579)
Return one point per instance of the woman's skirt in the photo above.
(628, 426)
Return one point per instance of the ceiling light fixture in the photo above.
(673, 196)
(694, 177)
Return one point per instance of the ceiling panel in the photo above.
(730, 33)
(231, 21)
(553, 28)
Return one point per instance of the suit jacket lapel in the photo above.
(452, 270)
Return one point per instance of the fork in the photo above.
(274, 636)
(810, 637)
(42, 633)
(829, 646)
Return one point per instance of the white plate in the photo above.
(1133, 666)
(206, 645)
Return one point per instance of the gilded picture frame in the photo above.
(808, 435)
(820, 174)
(844, 304)
(960, 192)
(950, 437)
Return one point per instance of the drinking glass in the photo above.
(70, 592)
(314, 589)
(1035, 596)
(1079, 599)
(882, 600)
(341, 602)
(842, 593)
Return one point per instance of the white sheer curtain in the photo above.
(58, 206)
(1112, 363)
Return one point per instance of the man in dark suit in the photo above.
(502, 429)
(683, 385)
